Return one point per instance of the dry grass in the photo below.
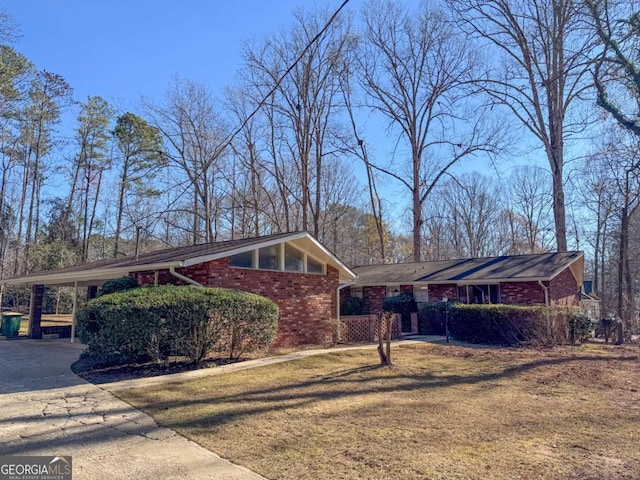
(48, 320)
(444, 412)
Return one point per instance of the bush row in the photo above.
(156, 322)
(506, 324)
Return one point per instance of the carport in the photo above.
(90, 276)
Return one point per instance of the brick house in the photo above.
(536, 279)
(293, 269)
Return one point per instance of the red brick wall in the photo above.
(307, 302)
(406, 290)
(564, 289)
(373, 298)
(437, 291)
(344, 294)
(521, 293)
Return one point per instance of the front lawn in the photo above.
(440, 412)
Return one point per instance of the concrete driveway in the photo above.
(46, 410)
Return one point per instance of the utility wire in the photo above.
(262, 102)
(287, 72)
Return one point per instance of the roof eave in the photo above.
(486, 281)
(86, 275)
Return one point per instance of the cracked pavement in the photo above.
(47, 410)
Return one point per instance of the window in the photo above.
(293, 259)
(269, 258)
(243, 260)
(313, 266)
(393, 290)
(357, 292)
(420, 294)
(462, 294)
(479, 294)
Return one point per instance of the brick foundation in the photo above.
(307, 302)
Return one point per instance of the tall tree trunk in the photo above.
(416, 207)
(622, 253)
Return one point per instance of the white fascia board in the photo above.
(337, 261)
(86, 275)
(247, 248)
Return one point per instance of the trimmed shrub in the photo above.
(250, 321)
(115, 285)
(352, 306)
(510, 324)
(154, 322)
(580, 326)
(402, 304)
(432, 318)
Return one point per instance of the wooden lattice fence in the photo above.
(364, 328)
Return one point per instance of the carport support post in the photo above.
(73, 311)
(35, 311)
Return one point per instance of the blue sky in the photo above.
(121, 50)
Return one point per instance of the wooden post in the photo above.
(35, 311)
(73, 311)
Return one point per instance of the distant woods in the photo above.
(361, 144)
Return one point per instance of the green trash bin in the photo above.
(11, 324)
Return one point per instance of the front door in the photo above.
(405, 322)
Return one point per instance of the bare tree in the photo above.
(616, 69)
(354, 144)
(416, 70)
(195, 136)
(544, 46)
(472, 205)
(531, 198)
(303, 108)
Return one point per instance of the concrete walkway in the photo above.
(47, 410)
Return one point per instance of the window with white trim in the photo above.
(420, 294)
(269, 258)
(393, 290)
(482, 294)
(242, 260)
(293, 259)
(279, 257)
(313, 266)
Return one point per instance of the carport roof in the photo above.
(97, 272)
(507, 268)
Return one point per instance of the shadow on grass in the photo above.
(220, 408)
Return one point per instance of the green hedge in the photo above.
(352, 306)
(403, 304)
(115, 285)
(514, 325)
(431, 318)
(155, 322)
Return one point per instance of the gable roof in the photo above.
(96, 272)
(513, 268)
